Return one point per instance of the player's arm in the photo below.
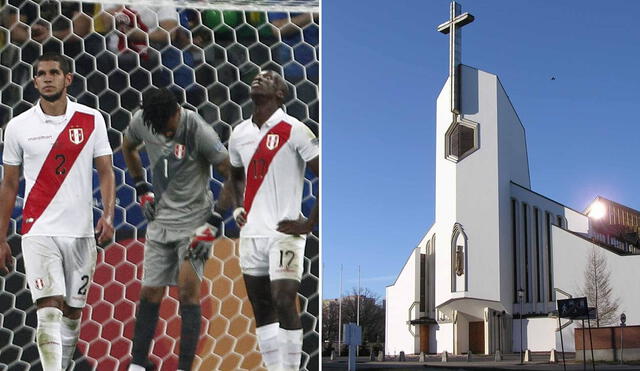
(132, 158)
(8, 193)
(237, 182)
(104, 228)
(144, 193)
(304, 226)
(227, 198)
(213, 151)
(231, 196)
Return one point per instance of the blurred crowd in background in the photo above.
(207, 57)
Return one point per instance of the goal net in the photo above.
(207, 52)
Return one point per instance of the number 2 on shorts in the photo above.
(83, 288)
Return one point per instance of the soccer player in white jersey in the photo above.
(56, 143)
(269, 151)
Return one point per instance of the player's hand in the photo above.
(104, 229)
(147, 200)
(203, 237)
(240, 216)
(301, 226)
(6, 260)
(148, 204)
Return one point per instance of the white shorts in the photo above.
(60, 266)
(279, 257)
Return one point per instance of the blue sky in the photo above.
(383, 65)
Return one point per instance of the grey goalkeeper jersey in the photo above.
(181, 168)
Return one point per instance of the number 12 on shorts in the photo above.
(287, 255)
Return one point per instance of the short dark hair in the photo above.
(63, 61)
(158, 105)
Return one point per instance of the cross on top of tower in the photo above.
(452, 27)
(456, 19)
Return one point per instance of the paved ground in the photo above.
(478, 362)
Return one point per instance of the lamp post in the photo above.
(340, 316)
(520, 297)
(623, 321)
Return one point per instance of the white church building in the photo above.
(497, 250)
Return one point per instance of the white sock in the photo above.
(133, 367)
(291, 348)
(48, 338)
(70, 332)
(268, 342)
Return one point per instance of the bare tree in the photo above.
(597, 289)
(330, 320)
(371, 314)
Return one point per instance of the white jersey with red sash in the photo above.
(274, 158)
(56, 153)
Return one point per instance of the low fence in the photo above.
(609, 343)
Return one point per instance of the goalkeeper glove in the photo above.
(203, 237)
(146, 199)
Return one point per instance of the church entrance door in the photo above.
(476, 337)
(424, 338)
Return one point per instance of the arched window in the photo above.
(459, 259)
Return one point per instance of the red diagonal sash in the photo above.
(269, 146)
(56, 167)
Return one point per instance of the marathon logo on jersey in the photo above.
(76, 136)
(179, 151)
(272, 141)
(39, 283)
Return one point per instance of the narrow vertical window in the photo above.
(423, 277)
(536, 215)
(549, 255)
(525, 219)
(514, 240)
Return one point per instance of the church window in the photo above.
(549, 256)
(536, 215)
(423, 278)
(514, 235)
(525, 215)
(461, 139)
(459, 259)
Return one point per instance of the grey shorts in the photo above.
(164, 252)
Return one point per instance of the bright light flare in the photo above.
(598, 210)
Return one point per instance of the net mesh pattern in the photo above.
(260, 5)
(208, 58)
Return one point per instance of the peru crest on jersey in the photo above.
(179, 151)
(272, 141)
(76, 135)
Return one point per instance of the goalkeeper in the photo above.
(179, 207)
